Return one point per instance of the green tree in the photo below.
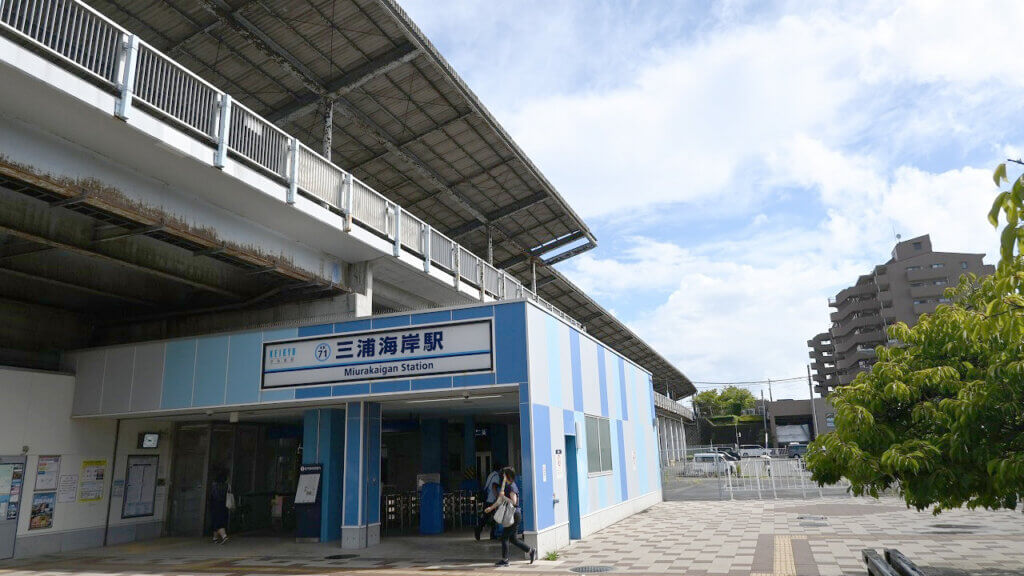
(730, 400)
(706, 403)
(940, 416)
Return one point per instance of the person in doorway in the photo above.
(492, 485)
(510, 534)
(218, 507)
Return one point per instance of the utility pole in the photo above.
(770, 399)
(814, 416)
(764, 418)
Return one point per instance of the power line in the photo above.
(749, 382)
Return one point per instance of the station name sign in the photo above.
(390, 354)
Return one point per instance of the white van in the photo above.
(712, 463)
(752, 450)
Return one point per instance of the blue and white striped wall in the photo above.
(572, 375)
(223, 370)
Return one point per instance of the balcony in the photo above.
(105, 69)
(929, 290)
(872, 339)
(848, 326)
(854, 306)
(859, 290)
(926, 273)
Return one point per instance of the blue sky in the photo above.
(740, 162)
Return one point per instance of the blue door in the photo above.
(572, 482)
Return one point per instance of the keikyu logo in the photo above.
(322, 353)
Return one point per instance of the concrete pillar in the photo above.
(361, 504)
(682, 433)
(673, 427)
(360, 278)
(323, 442)
(673, 441)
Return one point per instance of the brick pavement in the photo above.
(820, 537)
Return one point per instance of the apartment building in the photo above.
(911, 283)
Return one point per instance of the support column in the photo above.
(469, 445)
(682, 430)
(361, 505)
(360, 278)
(490, 247)
(433, 447)
(323, 442)
(328, 143)
(499, 445)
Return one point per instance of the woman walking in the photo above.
(510, 534)
(218, 507)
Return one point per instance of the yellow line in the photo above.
(785, 565)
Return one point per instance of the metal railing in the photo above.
(259, 141)
(70, 29)
(321, 179)
(108, 54)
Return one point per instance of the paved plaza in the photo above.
(814, 537)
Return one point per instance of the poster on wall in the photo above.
(6, 475)
(67, 488)
(17, 472)
(47, 473)
(42, 510)
(139, 486)
(90, 480)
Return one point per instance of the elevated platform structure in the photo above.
(456, 186)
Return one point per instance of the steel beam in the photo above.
(414, 139)
(136, 232)
(76, 287)
(348, 82)
(271, 49)
(35, 221)
(590, 245)
(496, 215)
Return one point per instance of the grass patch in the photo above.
(553, 555)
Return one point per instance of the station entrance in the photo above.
(261, 462)
(449, 444)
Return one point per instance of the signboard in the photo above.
(388, 354)
(309, 483)
(90, 480)
(139, 487)
(42, 511)
(47, 472)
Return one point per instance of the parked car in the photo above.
(796, 450)
(752, 450)
(729, 454)
(714, 463)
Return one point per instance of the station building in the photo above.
(287, 246)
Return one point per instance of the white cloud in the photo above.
(874, 117)
(701, 117)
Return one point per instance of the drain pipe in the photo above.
(110, 494)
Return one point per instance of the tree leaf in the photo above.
(1000, 174)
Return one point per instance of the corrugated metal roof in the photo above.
(403, 122)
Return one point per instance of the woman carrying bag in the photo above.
(509, 515)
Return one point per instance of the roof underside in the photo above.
(403, 122)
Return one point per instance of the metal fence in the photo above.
(760, 478)
(92, 45)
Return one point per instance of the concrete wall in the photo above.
(35, 411)
(571, 376)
